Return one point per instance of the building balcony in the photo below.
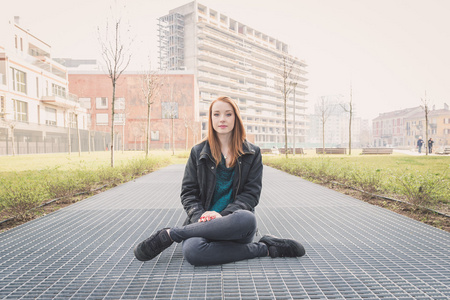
(47, 64)
(70, 101)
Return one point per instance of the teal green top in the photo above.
(224, 187)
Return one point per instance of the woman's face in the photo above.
(222, 117)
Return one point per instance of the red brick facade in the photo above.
(177, 92)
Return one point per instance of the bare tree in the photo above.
(78, 133)
(120, 119)
(69, 125)
(87, 105)
(170, 108)
(349, 109)
(117, 58)
(288, 81)
(426, 109)
(324, 108)
(150, 87)
(73, 116)
(188, 118)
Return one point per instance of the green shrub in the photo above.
(20, 194)
(423, 189)
(370, 180)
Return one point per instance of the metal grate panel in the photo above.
(354, 250)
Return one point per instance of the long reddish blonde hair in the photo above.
(238, 134)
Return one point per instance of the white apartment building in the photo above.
(35, 105)
(232, 59)
(329, 111)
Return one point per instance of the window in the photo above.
(58, 90)
(119, 119)
(19, 80)
(101, 102)
(119, 104)
(50, 116)
(20, 111)
(154, 135)
(85, 102)
(101, 119)
(169, 110)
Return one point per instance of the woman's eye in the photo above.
(215, 115)
(228, 115)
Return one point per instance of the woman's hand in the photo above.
(209, 215)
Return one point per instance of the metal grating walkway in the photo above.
(354, 250)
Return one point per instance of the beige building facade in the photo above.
(230, 58)
(402, 128)
(36, 108)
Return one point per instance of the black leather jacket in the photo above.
(199, 181)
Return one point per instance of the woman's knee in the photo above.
(192, 250)
(246, 218)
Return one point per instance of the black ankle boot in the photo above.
(282, 247)
(153, 246)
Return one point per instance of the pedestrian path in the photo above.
(354, 250)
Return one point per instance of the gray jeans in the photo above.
(221, 240)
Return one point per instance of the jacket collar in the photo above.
(247, 147)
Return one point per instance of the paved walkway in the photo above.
(354, 250)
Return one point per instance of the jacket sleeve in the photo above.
(248, 198)
(190, 189)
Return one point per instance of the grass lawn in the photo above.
(395, 161)
(93, 160)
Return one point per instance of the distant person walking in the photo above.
(430, 145)
(420, 144)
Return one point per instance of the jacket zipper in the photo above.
(239, 180)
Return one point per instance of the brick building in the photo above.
(175, 101)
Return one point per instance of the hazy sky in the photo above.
(389, 51)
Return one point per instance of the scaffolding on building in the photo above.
(171, 42)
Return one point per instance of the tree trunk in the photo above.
(123, 135)
(293, 127)
(112, 123)
(12, 141)
(285, 127)
(350, 133)
(323, 137)
(78, 136)
(426, 130)
(149, 110)
(70, 140)
(173, 135)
